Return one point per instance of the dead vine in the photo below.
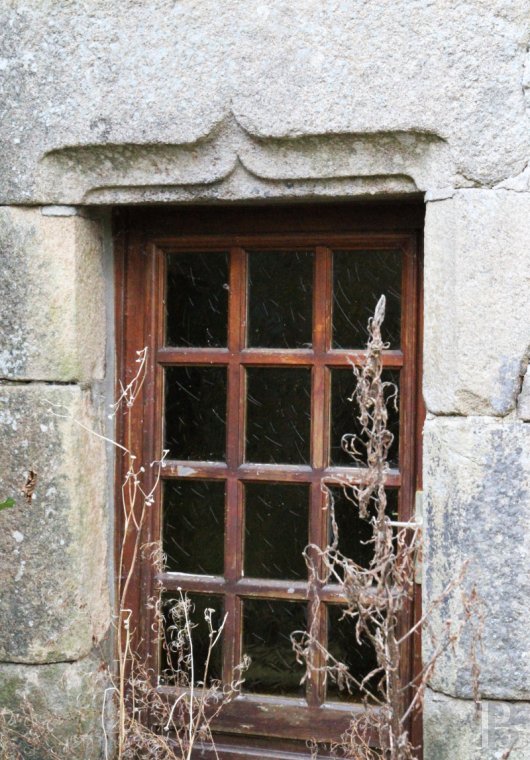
(376, 596)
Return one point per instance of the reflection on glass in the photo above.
(195, 413)
(193, 526)
(276, 530)
(278, 415)
(355, 533)
(197, 299)
(280, 294)
(267, 628)
(344, 417)
(360, 278)
(172, 671)
(359, 659)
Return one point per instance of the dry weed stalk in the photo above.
(144, 723)
(377, 596)
(152, 725)
(182, 721)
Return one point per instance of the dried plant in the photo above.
(377, 595)
(151, 724)
(176, 723)
(169, 724)
(143, 721)
(182, 721)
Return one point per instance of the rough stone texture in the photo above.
(66, 699)
(456, 730)
(477, 305)
(135, 97)
(53, 559)
(231, 164)
(52, 320)
(477, 508)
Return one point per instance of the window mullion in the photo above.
(322, 299)
(320, 393)
(235, 425)
(237, 319)
(320, 411)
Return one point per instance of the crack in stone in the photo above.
(516, 183)
(522, 398)
(7, 381)
(458, 698)
(31, 664)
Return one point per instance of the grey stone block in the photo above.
(477, 509)
(57, 708)
(52, 315)
(457, 729)
(53, 557)
(86, 109)
(477, 305)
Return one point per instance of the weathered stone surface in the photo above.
(477, 509)
(520, 183)
(53, 557)
(233, 164)
(52, 318)
(523, 402)
(86, 108)
(456, 730)
(66, 704)
(477, 304)
(241, 184)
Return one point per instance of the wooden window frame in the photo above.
(143, 238)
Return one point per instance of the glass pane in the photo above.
(344, 417)
(195, 413)
(267, 627)
(276, 530)
(353, 531)
(280, 297)
(197, 299)
(171, 672)
(193, 526)
(343, 645)
(360, 278)
(278, 415)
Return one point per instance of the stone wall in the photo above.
(55, 603)
(183, 101)
(477, 462)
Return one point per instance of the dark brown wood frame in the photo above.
(142, 240)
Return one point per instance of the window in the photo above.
(251, 317)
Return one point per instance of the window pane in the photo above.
(342, 644)
(344, 417)
(280, 297)
(276, 530)
(278, 415)
(197, 299)
(196, 412)
(267, 628)
(171, 672)
(193, 526)
(353, 531)
(360, 278)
